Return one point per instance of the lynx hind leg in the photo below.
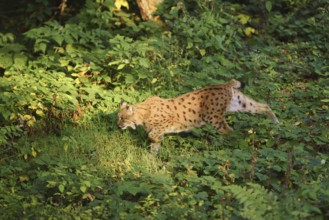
(220, 124)
(222, 127)
(242, 103)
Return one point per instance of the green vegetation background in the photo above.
(65, 66)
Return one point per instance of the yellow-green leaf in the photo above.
(121, 66)
(249, 31)
(27, 117)
(83, 189)
(34, 152)
(244, 18)
(12, 116)
(121, 3)
(39, 112)
(30, 123)
(87, 183)
(202, 52)
(23, 178)
(32, 107)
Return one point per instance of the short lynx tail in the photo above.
(235, 84)
(242, 103)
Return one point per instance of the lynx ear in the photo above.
(123, 103)
(130, 108)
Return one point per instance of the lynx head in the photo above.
(126, 116)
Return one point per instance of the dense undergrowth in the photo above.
(64, 69)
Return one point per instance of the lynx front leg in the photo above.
(156, 136)
(155, 147)
(242, 103)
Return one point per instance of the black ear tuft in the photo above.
(122, 104)
(122, 101)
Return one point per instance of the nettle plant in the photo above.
(55, 81)
(55, 75)
(133, 61)
(209, 33)
(62, 70)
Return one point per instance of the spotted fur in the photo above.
(191, 110)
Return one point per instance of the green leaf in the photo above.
(87, 183)
(129, 78)
(143, 74)
(83, 189)
(5, 61)
(144, 62)
(121, 66)
(58, 38)
(261, 177)
(64, 62)
(202, 52)
(51, 184)
(268, 6)
(40, 47)
(225, 62)
(20, 60)
(61, 188)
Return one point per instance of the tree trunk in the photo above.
(147, 7)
